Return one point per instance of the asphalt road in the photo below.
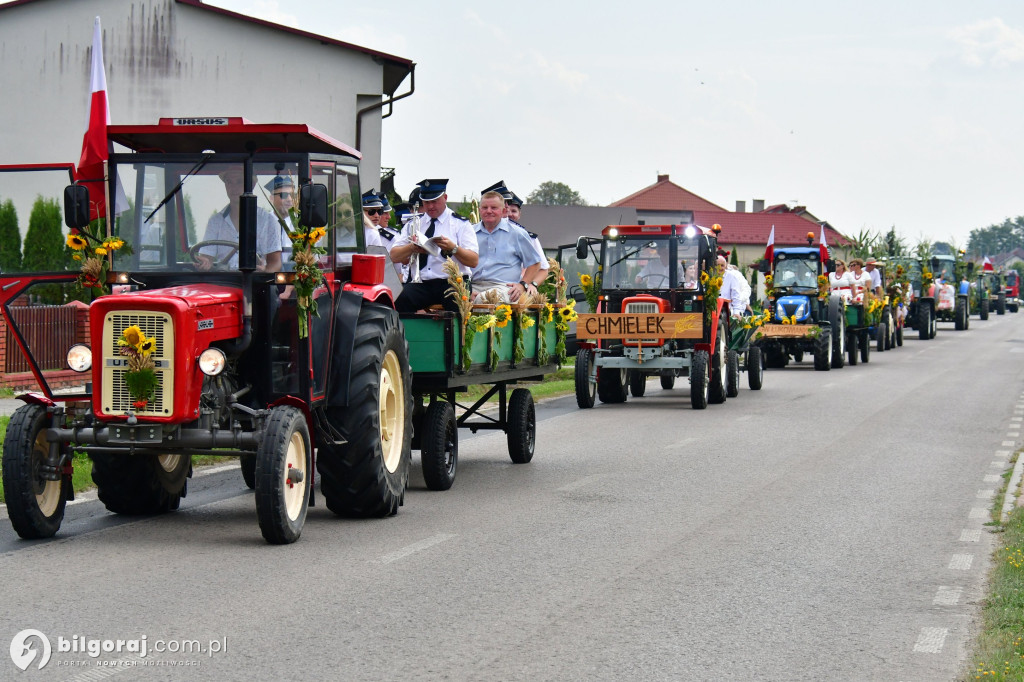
(830, 526)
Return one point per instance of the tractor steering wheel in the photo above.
(194, 254)
(663, 281)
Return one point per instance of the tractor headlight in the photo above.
(79, 358)
(613, 233)
(801, 311)
(690, 232)
(212, 361)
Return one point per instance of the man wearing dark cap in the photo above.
(451, 233)
(372, 211)
(512, 206)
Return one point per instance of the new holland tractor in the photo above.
(658, 315)
(951, 292)
(196, 343)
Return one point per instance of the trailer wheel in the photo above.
(248, 464)
(960, 314)
(668, 379)
(522, 426)
(732, 374)
(881, 335)
(137, 485)
(439, 445)
(899, 334)
(611, 385)
(586, 382)
(837, 325)
(637, 383)
(755, 368)
(35, 505)
(851, 349)
(1001, 305)
(283, 476)
(699, 380)
(823, 350)
(367, 476)
(924, 321)
(717, 389)
(865, 346)
(983, 314)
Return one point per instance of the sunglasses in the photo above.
(282, 194)
(373, 211)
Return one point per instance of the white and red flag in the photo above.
(823, 246)
(769, 251)
(986, 265)
(96, 147)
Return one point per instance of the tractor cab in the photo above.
(795, 284)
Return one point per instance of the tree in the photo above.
(552, 193)
(44, 242)
(10, 238)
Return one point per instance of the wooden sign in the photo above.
(640, 326)
(786, 330)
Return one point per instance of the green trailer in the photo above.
(443, 368)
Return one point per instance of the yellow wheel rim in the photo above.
(295, 490)
(391, 401)
(47, 492)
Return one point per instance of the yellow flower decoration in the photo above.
(317, 234)
(502, 314)
(704, 278)
(718, 282)
(75, 242)
(586, 280)
(132, 336)
(549, 312)
(527, 322)
(100, 251)
(147, 347)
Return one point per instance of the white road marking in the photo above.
(992, 478)
(947, 596)
(586, 480)
(1016, 419)
(978, 513)
(1013, 434)
(1008, 443)
(679, 443)
(999, 464)
(931, 640)
(1002, 453)
(985, 494)
(961, 562)
(415, 547)
(969, 535)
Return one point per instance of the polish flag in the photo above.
(769, 251)
(95, 145)
(986, 265)
(823, 246)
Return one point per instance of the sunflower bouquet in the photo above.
(824, 290)
(93, 252)
(712, 285)
(140, 379)
(308, 276)
(591, 288)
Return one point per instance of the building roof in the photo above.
(395, 68)
(754, 228)
(665, 195)
(559, 225)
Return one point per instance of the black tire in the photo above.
(755, 368)
(1001, 304)
(934, 325)
(881, 334)
(284, 475)
(865, 346)
(611, 384)
(899, 334)
(138, 485)
(823, 350)
(439, 446)
(983, 308)
(522, 426)
(35, 505)
(798, 355)
(586, 389)
(700, 377)
(837, 323)
(668, 379)
(367, 476)
(716, 389)
(637, 383)
(248, 465)
(960, 314)
(776, 359)
(851, 348)
(924, 321)
(732, 374)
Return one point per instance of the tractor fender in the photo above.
(34, 398)
(375, 293)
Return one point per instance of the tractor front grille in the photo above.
(642, 308)
(116, 399)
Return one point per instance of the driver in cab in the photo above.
(222, 228)
(655, 274)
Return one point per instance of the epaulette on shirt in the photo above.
(386, 234)
(456, 215)
(533, 235)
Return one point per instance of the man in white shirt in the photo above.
(223, 227)
(734, 288)
(508, 262)
(871, 267)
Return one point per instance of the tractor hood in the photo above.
(786, 307)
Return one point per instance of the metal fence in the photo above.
(48, 332)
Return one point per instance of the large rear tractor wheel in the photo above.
(637, 383)
(837, 324)
(35, 504)
(284, 476)
(522, 426)
(717, 389)
(439, 446)
(586, 382)
(924, 321)
(755, 368)
(138, 485)
(823, 351)
(368, 474)
(668, 379)
(611, 384)
(732, 374)
(700, 377)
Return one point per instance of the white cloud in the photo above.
(989, 42)
(557, 71)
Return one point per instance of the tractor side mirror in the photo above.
(764, 266)
(581, 249)
(970, 269)
(76, 206)
(830, 265)
(313, 205)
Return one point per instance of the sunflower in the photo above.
(502, 314)
(586, 280)
(317, 234)
(76, 242)
(549, 312)
(132, 336)
(147, 347)
(527, 322)
(100, 251)
(704, 278)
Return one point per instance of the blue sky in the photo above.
(871, 114)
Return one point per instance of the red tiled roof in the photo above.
(665, 195)
(753, 228)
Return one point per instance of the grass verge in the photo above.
(999, 654)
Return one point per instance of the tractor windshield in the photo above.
(646, 263)
(796, 273)
(945, 269)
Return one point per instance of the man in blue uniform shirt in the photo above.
(508, 262)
